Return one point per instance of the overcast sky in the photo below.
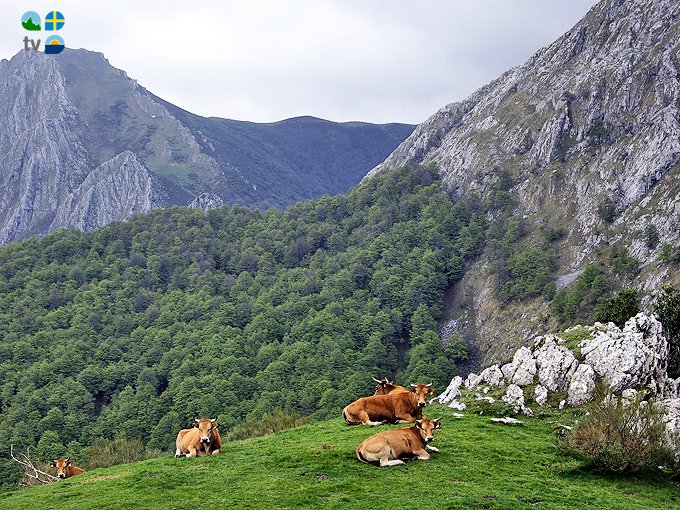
(267, 60)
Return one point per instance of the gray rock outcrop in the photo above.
(522, 369)
(540, 395)
(629, 361)
(629, 358)
(555, 363)
(581, 385)
(113, 191)
(452, 390)
(206, 201)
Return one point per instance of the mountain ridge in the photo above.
(63, 116)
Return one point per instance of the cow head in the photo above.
(383, 387)
(426, 427)
(62, 466)
(422, 391)
(206, 427)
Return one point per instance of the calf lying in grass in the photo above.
(388, 448)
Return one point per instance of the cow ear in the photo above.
(54, 463)
(194, 423)
(437, 423)
(419, 423)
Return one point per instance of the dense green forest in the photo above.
(132, 330)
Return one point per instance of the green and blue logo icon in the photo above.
(30, 21)
(54, 20)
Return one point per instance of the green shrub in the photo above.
(267, 424)
(651, 236)
(621, 436)
(598, 133)
(111, 452)
(576, 302)
(669, 254)
(621, 262)
(607, 210)
(667, 309)
(619, 309)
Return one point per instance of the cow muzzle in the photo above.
(61, 475)
(421, 404)
(428, 439)
(205, 440)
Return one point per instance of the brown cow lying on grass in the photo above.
(66, 469)
(385, 387)
(389, 447)
(202, 439)
(397, 407)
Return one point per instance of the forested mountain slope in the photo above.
(132, 330)
(575, 155)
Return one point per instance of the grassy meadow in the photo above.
(481, 465)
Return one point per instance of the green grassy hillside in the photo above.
(481, 465)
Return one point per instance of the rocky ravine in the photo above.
(626, 361)
(593, 117)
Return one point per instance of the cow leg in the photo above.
(178, 453)
(405, 418)
(386, 463)
(192, 452)
(366, 420)
(217, 452)
(432, 448)
(421, 454)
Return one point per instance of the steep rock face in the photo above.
(113, 191)
(42, 160)
(593, 118)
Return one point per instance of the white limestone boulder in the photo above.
(581, 386)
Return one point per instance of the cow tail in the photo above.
(360, 455)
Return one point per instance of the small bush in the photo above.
(619, 309)
(621, 436)
(651, 236)
(669, 254)
(268, 424)
(607, 210)
(111, 452)
(667, 309)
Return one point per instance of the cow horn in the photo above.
(213, 420)
(66, 461)
(428, 385)
(376, 380)
(414, 385)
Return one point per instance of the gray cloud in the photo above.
(374, 60)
